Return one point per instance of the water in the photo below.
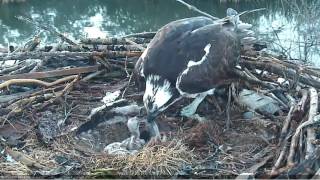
(285, 25)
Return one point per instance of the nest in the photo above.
(14, 168)
(159, 160)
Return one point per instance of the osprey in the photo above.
(190, 58)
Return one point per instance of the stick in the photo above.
(280, 69)
(47, 28)
(104, 41)
(142, 35)
(197, 10)
(280, 160)
(92, 75)
(99, 48)
(24, 159)
(253, 169)
(32, 44)
(12, 97)
(40, 55)
(53, 73)
(302, 103)
(135, 44)
(286, 124)
(316, 175)
(311, 135)
(65, 91)
(254, 80)
(35, 81)
(228, 123)
(296, 136)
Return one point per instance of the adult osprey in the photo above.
(189, 58)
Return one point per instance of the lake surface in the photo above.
(289, 26)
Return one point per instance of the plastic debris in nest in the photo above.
(258, 102)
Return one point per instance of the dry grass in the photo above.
(158, 160)
(14, 169)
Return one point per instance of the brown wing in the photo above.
(214, 68)
(172, 48)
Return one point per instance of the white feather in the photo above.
(143, 56)
(155, 93)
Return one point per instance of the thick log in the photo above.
(311, 135)
(104, 41)
(98, 48)
(295, 139)
(113, 41)
(305, 169)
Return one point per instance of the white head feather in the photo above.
(158, 94)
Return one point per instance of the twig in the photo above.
(127, 86)
(251, 11)
(92, 75)
(18, 156)
(253, 169)
(197, 10)
(65, 91)
(228, 123)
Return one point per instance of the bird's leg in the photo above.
(191, 109)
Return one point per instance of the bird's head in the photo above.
(159, 94)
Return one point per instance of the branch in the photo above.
(53, 73)
(197, 10)
(311, 136)
(148, 35)
(35, 81)
(40, 55)
(279, 69)
(47, 28)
